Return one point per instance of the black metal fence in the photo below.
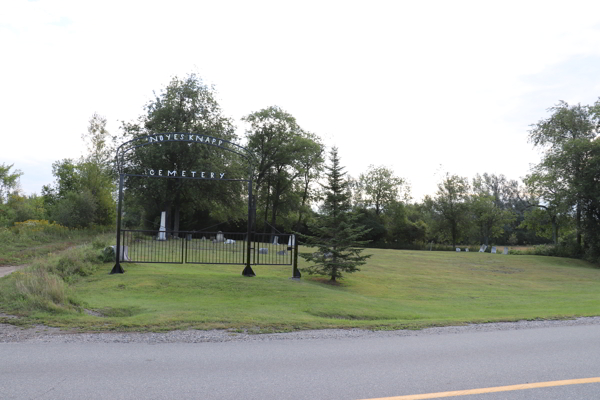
(199, 247)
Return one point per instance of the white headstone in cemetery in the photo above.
(292, 240)
(505, 250)
(229, 241)
(482, 248)
(275, 239)
(263, 250)
(220, 238)
(467, 249)
(458, 249)
(162, 235)
(493, 249)
(124, 253)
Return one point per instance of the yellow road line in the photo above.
(492, 389)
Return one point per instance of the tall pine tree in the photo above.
(335, 232)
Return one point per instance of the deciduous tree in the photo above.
(190, 106)
(562, 136)
(380, 187)
(450, 206)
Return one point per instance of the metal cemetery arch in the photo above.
(131, 145)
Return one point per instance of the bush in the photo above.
(108, 255)
(565, 249)
(76, 210)
(39, 229)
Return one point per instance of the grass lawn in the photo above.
(396, 289)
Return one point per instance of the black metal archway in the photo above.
(127, 147)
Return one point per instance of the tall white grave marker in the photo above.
(162, 235)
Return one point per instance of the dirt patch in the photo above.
(8, 269)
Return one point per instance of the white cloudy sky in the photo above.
(423, 87)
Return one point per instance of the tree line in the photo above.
(557, 202)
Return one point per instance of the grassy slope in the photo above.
(397, 289)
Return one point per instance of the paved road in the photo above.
(348, 368)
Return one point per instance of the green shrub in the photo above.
(99, 243)
(108, 255)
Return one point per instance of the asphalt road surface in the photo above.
(334, 368)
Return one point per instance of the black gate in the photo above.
(201, 247)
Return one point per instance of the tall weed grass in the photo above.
(44, 285)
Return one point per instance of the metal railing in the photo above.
(201, 247)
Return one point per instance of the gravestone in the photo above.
(467, 249)
(493, 249)
(482, 248)
(276, 240)
(220, 238)
(505, 250)
(124, 254)
(162, 235)
(458, 249)
(282, 253)
(263, 250)
(188, 236)
(292, 241)
(229, 241)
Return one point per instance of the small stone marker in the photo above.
(263, 250)
(292, 240)
(458, 249)
(282, 253)
(229, 241)
(220, 238)
(467, 249)
(276, 240)
(188, 237)
(493, 249)
(505, 250)
(124, 253)
(482, 248)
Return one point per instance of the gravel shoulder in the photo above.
(43, 334)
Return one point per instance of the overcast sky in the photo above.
(422, 87)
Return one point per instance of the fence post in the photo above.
(117, 269)
(296, 271)
(248, 270)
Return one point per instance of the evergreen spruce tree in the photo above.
(335, 232)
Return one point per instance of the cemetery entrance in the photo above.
(202, 246)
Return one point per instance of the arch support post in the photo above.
(248, 269)
(117, 269)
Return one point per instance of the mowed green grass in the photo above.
(396, 289)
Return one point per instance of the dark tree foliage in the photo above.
(335, 232)
(289, 160)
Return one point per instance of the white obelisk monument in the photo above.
(162, 235)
